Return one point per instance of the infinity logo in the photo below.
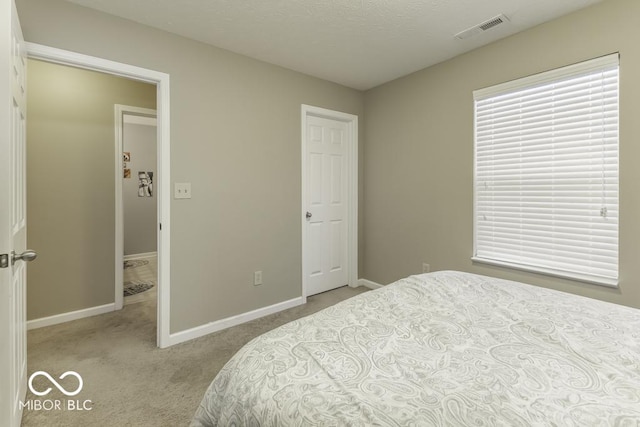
(54, 382)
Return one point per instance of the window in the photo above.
(546, 172)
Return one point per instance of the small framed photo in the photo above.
(126, 156)
(127, 173)
(145, 184)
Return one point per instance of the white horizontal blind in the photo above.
(546, 172)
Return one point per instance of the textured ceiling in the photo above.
(357, 43)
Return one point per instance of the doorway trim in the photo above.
(120, 110)
(351, 122)
(161, 80)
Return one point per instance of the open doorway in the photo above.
(160, 83)
(70, 174)
(136, 207)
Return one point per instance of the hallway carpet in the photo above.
(140, 270)
(130, 382)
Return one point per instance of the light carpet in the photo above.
(131, 382)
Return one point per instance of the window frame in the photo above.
(556, 75)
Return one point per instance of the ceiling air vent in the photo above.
(486, 25)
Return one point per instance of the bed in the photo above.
(439, 349)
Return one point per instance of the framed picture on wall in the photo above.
(126, 156)
(145, 184)
(127, 173)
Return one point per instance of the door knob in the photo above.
(27, 256)
(308, 215)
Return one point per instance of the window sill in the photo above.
(600, 281)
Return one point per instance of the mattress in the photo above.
(442, 349)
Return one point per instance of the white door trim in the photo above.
(351, 122)
(119, 111)
(161, 80)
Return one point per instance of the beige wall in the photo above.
(70, 184)
(419, 150)
(235, 135)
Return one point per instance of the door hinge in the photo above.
(4, 260)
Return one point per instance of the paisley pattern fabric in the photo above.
(439, 349)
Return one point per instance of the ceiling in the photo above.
(357, 43)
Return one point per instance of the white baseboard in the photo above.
(67, 317)
(140, 256)
(218, 325)
(369, 284)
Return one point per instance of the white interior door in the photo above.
(13, 361)
(326, 244)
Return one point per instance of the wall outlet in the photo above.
(426, 267)
(257, 278)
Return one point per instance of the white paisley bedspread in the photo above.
(440, 349)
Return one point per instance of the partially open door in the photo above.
(13, 219)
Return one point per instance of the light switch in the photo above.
(182, 190)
